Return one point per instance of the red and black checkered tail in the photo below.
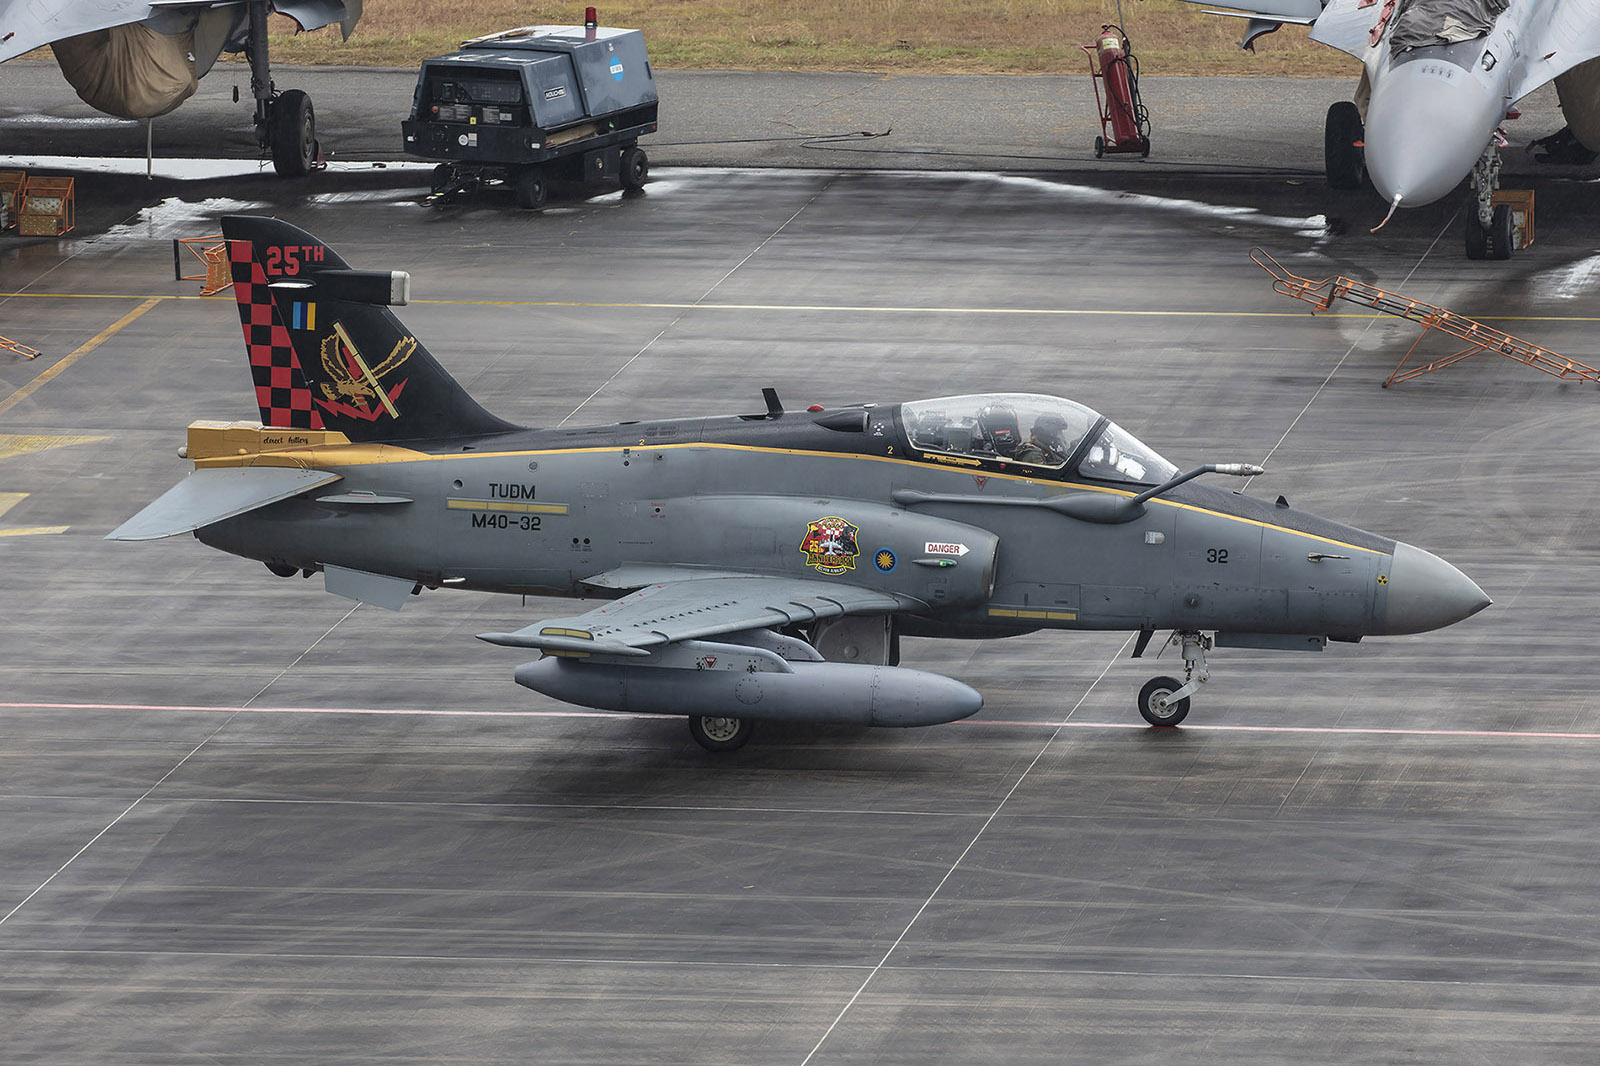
(325, 350)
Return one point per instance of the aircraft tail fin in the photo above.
(325, 350)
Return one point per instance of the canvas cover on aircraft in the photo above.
(1425, 22)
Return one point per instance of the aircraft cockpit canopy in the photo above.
(1046, 432)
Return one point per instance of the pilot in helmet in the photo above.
(1046, 444)
(1000, 429)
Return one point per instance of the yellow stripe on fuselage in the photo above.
(502, 505)
(355, 455)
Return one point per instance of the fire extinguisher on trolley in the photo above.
(1124, 122)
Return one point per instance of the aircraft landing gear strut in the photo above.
(285, 124)
(1164, 701)
(1490, 227)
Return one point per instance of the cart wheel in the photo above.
(1144, 147)
(635, 168)
(531, 190)
(1099, 147)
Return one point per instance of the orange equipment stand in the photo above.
(18, 347)
(11, 182)
(1479, 337)
(213, 252)
(48, 209)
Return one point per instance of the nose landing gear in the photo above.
(1497, 222)
(1164, 701)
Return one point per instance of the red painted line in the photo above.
(1499, 734)
(1315, 729)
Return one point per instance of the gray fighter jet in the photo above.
(767, 564)
(1439, 77)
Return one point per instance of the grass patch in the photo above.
(888, 36)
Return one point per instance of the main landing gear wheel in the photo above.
(1343, 155)
(635, 168)
(717, 733)
(292, 132)
(1155, 705)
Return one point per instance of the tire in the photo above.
(1158, 687)
(1477, 238)
(1343, 157)
(444, 176)
(1502, 239)
(635, 168)
(292, 133)
(1099, 147)
(1144, 147)
(720, 733)
(532, 190)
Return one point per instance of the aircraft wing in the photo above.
(1347, 26)
(29, 24)
(1340, 24)
(691, 606)
(1570, 36)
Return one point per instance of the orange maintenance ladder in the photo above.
(1479, 337)
(18, 347)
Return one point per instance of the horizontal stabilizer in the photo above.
(208, 496)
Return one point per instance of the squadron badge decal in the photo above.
(353, 388)
(830, 545)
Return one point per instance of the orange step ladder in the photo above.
(1479, 337)
(18, 347)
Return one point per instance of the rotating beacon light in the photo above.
(1124, 122)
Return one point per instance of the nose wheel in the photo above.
(1156, 704)
(1164, 701)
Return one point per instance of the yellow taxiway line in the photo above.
(77, 353)
(1066, 312)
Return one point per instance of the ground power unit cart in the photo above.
(533, 105)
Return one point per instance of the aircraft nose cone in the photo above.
(1425, 592)
(1427, 124)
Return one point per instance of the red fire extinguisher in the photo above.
(1124, 122)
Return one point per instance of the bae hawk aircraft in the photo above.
(140, 59)
(758, 566)
(1439, 77)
